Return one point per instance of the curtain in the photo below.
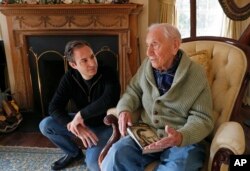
(168, 11)
(233, 29)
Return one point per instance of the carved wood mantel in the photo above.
(20, 20)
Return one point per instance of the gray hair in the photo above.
(71, 46)
(170, 31)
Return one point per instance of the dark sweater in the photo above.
(91, 97)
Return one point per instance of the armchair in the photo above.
(228, 75)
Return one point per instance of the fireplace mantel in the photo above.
(21, 20)
(62, 9)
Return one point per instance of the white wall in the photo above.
(149, 15)
(143, 24)
(1, 38)
(154, 11)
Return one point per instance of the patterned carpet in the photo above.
(15, 158)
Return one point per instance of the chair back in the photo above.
(229, 71)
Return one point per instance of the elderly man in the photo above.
(174, 98)
(93, 89)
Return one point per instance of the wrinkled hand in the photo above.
(174, 138)
(72, 126)
(124, 120)
(87, 136)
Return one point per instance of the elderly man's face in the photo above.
(160, 50)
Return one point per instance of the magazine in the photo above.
(144, 135)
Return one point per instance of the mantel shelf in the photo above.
(22, 9)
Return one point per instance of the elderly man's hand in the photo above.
(174, 138)
(124, 120)
(87, 136)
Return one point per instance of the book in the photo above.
(144, 135)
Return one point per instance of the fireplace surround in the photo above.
(47, 63)
(28, 21)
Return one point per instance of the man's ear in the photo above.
(176, 45)
(72, 64)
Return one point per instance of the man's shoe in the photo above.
(65, 161)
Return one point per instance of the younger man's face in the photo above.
(85, 62)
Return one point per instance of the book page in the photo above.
(144, 134)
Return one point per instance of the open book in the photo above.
(144, 135)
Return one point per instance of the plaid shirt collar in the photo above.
(164, 79)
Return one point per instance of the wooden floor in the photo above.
(27, 133)
(35, 139)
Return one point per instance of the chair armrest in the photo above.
(229, 139)
(110, 120)
(112, 111)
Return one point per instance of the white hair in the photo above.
(170, 31)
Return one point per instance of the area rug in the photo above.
(16, 158)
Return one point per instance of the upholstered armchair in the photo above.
(227, 65)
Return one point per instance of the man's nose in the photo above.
(92, 62)
(149, 51)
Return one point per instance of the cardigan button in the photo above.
(161, 135)
(156, 121)
(155, 113)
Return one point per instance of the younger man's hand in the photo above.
(72, 126)
(87, 136)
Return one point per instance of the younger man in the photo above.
(93, 89)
